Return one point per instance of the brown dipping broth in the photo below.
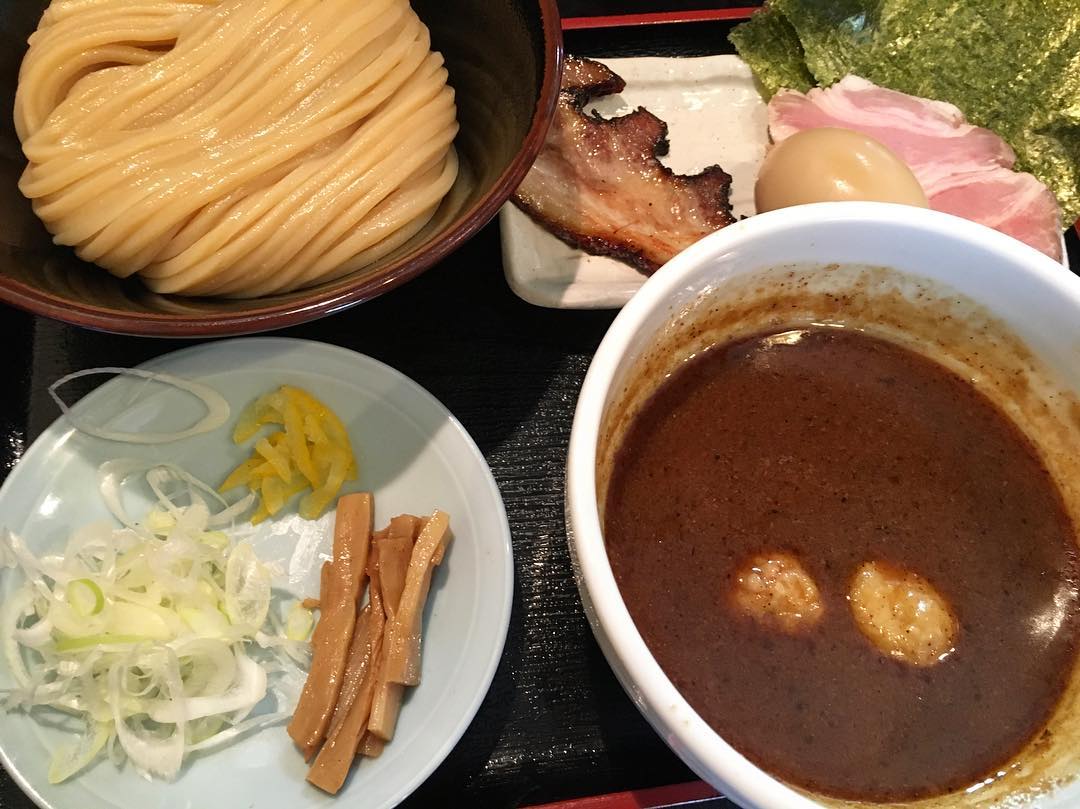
(843, 448)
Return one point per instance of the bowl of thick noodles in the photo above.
(182, 167)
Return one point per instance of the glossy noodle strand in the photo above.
(234, 147)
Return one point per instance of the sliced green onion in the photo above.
(66, 644)
(217, 409)
(159, 522)
(85, 597)
(247, 588)
(205, 623)
(215, 539)
(298, 623)
(134, 619)
(142, 630)
(69, 759)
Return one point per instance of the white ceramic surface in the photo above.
(714, 115)
(1024, 288)
(412, 454)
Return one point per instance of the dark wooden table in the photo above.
(555, 723)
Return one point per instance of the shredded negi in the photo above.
(159, 636)
(217, 409)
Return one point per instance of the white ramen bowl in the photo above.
(1034, 298)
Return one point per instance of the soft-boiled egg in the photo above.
(834, 165)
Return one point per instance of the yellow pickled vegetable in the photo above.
(275, 457)
(310, 451)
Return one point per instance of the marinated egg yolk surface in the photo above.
(830, 164)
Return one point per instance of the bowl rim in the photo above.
(703, 749)
(339, 296)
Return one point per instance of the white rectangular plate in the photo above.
(714, 115)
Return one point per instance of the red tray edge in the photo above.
(640, 798)
(657, 18)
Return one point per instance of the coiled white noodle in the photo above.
(234, 147)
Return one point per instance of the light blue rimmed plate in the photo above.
(412, 453)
